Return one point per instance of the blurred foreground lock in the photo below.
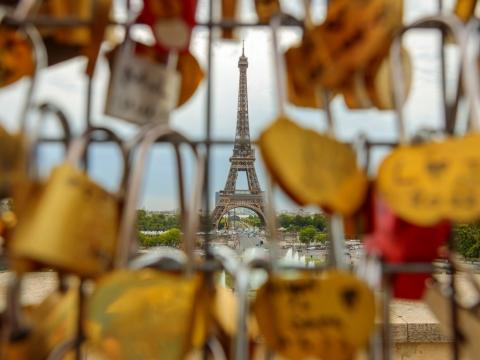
(73, 227)
(141, 91)
(144, 314)
(397, 241)
(329, 316)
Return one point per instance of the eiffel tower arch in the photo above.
(243, 159)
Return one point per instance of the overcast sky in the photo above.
(65, 85)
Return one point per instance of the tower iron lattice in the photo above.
(243, 159)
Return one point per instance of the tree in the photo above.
(467, 240)
(320, 222)
(152, 221)
(321, 237)
(172, 237)
(307, 234)
(285, 220)
(253, 220)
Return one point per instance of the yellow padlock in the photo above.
(315, 169)
(327, 316)
(32, 332)
(74, 225)
(142, 314)
(436, 180)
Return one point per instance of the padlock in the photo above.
(142, 91)
(143, 314)
(27, 191)
(397, 241)
(191, 73)
(32, 332)
(325, 172)
(299, 320)
(353, 34)
(171, 22)
(74, 226)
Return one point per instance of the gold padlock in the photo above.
(328, 316)
(27, 190)
(32, 332)
(143, 314)
(74, 225)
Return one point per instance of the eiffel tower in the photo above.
(243, 159)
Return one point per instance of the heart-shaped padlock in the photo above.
(328, 316)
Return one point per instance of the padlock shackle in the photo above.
(40, 62)
(189, 219)
(20, 12)
(16, 325)
(80, 145)
(278, 65)
(50, 108)
(444, 22)
(322, 95)
(45, 109)
(307, 14)
(62, 349)
(470, 73)
(226, 256)
(165, 259)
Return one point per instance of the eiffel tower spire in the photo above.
(242, 137)
(242, 159)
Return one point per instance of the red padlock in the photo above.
(397, 241)
(171, 22)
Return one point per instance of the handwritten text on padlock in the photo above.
(141, 91)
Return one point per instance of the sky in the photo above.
(65, 85)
